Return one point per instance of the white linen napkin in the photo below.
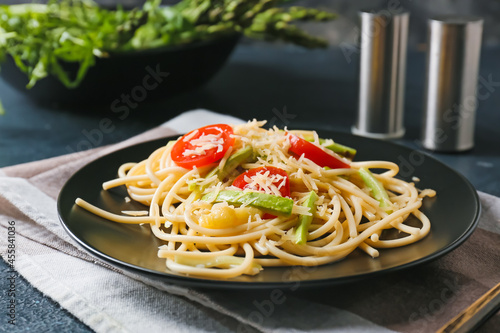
(108, 299)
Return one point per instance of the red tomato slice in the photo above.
(203, 146)
(279, 179)
(299, 146)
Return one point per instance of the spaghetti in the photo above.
(230, 200)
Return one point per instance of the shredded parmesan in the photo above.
(190, 135)
(263, 181)
(301, 210)
(204, 143)
(223, 161)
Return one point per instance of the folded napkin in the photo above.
(108, 299)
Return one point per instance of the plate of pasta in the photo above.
(246, 206)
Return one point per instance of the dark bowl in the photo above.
(133, 76)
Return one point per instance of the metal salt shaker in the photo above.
(382, 68)
(450, 92)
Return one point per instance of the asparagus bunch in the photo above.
(275, 23)
(200, 19)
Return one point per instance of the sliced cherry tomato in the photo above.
(299, 147)
(278, 176)
(279, 179)
(203, 146)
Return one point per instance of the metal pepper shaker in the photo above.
(452, 74)
(382, 67)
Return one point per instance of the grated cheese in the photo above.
(223, 161)
(190, 135)
(263, 181)
(301, 210)
(204, 143)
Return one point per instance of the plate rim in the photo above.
(194, 281)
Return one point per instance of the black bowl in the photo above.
(133, 76)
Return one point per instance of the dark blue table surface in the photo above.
(286, 84)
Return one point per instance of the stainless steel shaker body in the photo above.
(450, 91)
(383, 44)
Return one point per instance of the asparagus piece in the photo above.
(240, 156)
(377, 189)
(268, 203)
(338, 148)
(342, 150)
(232, 163)
(305, 220)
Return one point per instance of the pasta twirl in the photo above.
(230, 200)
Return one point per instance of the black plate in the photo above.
(454, 214)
